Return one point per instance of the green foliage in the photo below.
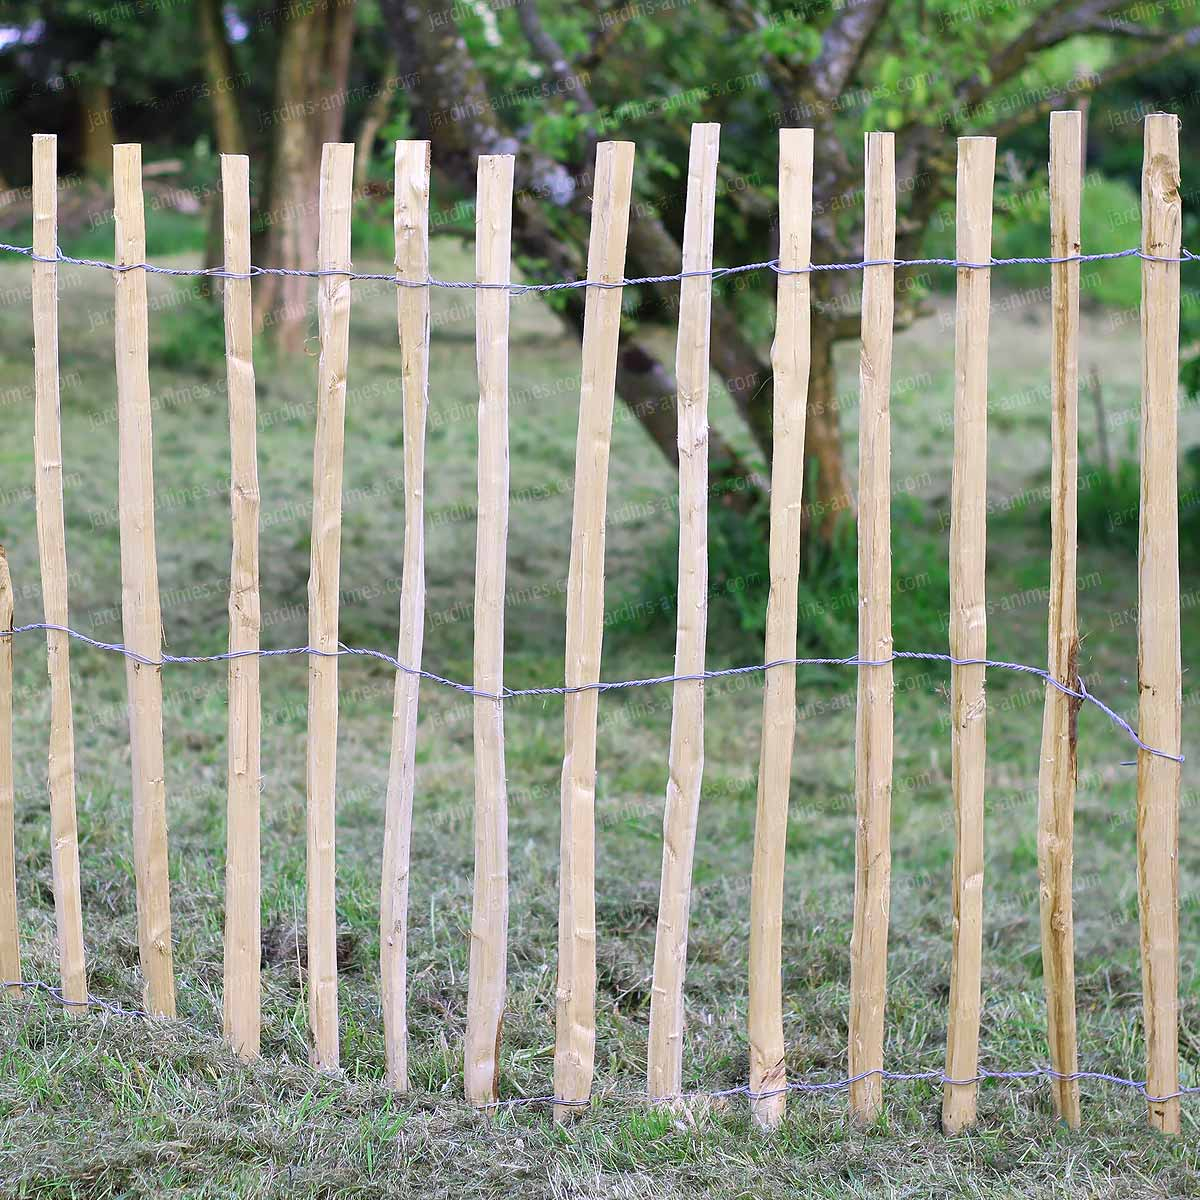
(1109, 220)
(1109, 504)
(739, 584)
(188, 334)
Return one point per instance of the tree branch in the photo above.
(551, 54)
(843, 44)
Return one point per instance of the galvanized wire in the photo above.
(520, 289)
(1079, 692)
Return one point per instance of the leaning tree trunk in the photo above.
(449, 83)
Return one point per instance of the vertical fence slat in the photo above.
(575, 1048)
(10, 944)
(664, 1074)
(324, 582)
(411, 222)
(1159, 680)
(873, 730)
(489, 916)
(1056, 775)
(790, 365)
(52, 553)
(141, 615)
(968, 618)
(242, 863)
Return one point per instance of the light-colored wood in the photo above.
(1056, 775)
(10, 943)
(243, 938)
(141, 618)
(324, 581)
(52, 557)
(412, 312)
(575, 1041)
(873, 729)
(1159, 680)
(664, 1072)
(790, 358)
(968, 618)
(487, 981)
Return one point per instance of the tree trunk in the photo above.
(829, 495)
(96, 129)
(310, 91)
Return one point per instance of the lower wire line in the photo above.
(807, 1086)
(1079, 692)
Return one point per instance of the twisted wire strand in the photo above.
(811, 1086)
(1080, 692)
(520, 289)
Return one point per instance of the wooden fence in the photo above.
(1158, 778)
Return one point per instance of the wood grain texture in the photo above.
(1159, 678)
(52, 558)
(243, 938)
(141, 617)
(575, 1041)
(10, 944)
(487, 981)
(664, 1073)
(968, 619)
(411, 225)
(1057, 769)
(790, 358)
(324, 582)
(873, 729)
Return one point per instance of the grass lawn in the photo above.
(107, 1106)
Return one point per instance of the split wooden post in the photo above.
(575, 1041)
(141, 616)
(411, 220)
(52, 555)
(873, 730)
(664, 1073)
(10, 943)
(486, 983)
(1159, 678)
(1057, 770)
(324, 582)
(790, 358)
(968, 618)
(243, 903)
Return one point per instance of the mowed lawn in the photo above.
(109, 1106)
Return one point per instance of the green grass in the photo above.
(107, 1107)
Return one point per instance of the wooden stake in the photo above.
(575, 1043)
(968, 618)
(664, 1076)
(242, 860)
(52, 556)
(873, 731)
(333, 320)
(10, 943)
(489, 917)
(412, 311)
(1056, 776)
(790, 364)
(141, 617)
(1159, 680)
